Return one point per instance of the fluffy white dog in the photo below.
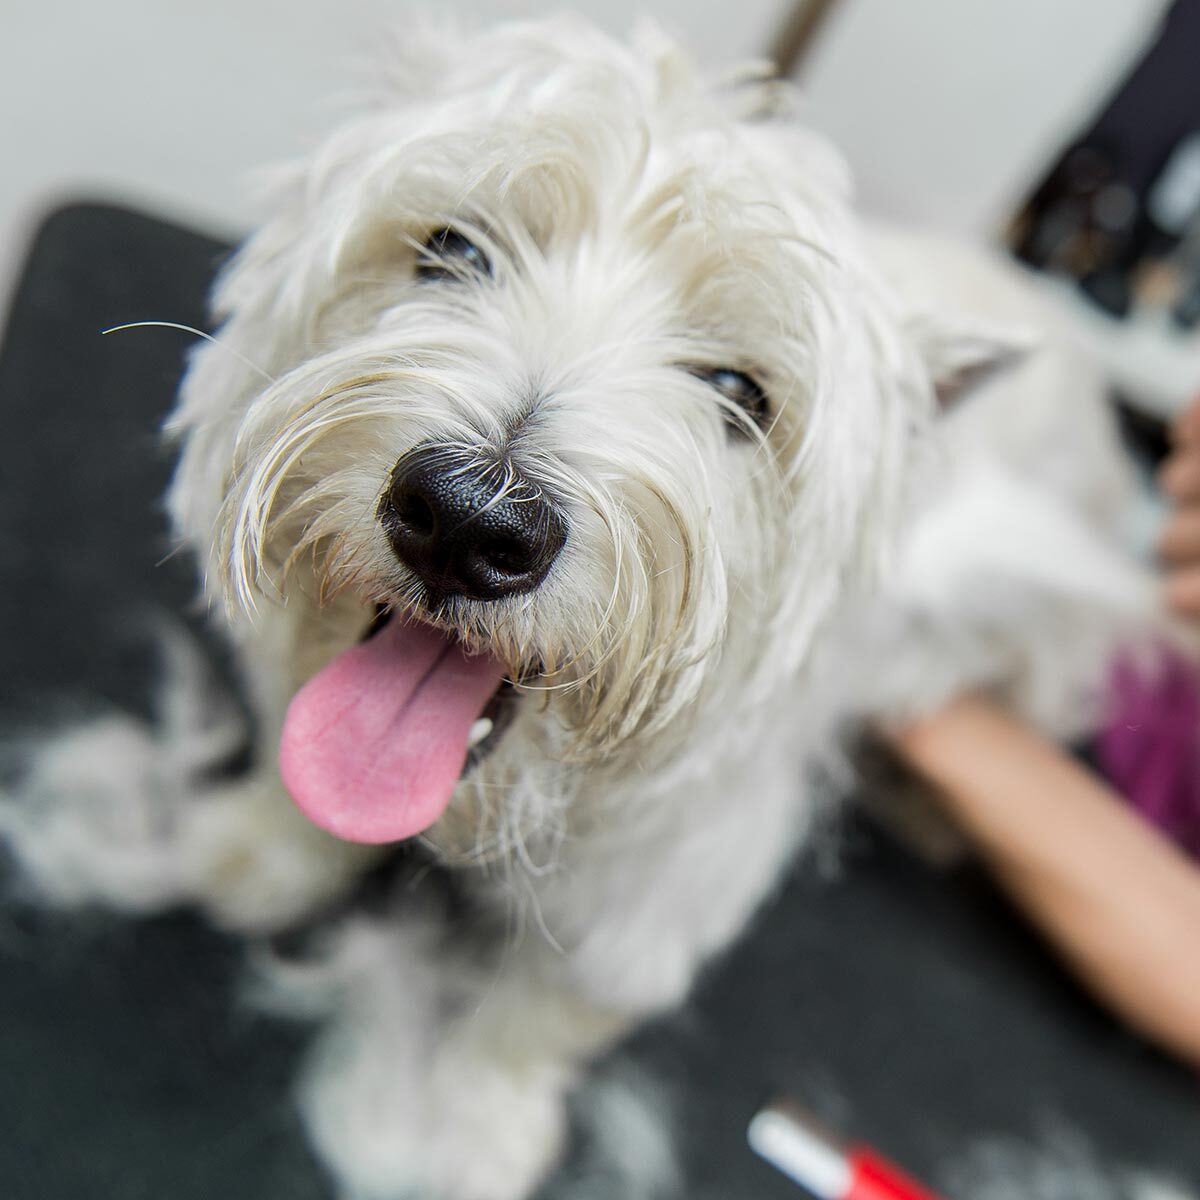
(566, 474)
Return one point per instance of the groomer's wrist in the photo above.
(932, 745)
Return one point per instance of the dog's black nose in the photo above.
(468, 525)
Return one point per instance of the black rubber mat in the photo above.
(908, 1005)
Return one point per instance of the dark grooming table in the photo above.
(909, 1005)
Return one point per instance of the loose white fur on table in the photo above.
(729, 596)
(1056, 1162)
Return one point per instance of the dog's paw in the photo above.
(466, 1131)
(95, 813)
(104, 815)
(256, 865)
(92, 817)
(500, 1136)
(495, 1137)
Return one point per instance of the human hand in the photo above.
(1179, 546)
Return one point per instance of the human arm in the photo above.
(1179, 546)
(1120, 902)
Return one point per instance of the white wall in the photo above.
(948, 109)
(173, 104)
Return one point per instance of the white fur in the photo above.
(723, 604)
(1059, 1163)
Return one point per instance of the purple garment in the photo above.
(1149, 748)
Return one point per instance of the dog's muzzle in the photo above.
(469, 526)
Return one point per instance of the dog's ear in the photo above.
(961, 355)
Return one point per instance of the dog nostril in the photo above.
(415, 511)
(507, 555)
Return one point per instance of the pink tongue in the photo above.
(373, 745)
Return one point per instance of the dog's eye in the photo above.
(446, 254)
(738, 388)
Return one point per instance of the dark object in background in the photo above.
(1124, 197)
(797, 33)
(1186, 313)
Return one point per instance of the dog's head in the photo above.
(575, 372)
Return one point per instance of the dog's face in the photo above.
(573, 363)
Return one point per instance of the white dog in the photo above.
(565, 478)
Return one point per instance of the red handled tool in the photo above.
(799, 1146)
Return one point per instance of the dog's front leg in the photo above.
(442, 1078)
(439, 1077)
(254, 863)
(137, 816)
(644, 913)
(107, 815)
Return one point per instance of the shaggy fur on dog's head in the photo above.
(641, 229)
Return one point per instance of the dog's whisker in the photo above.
(200, 333)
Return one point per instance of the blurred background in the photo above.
(175, 105)
(952, 112)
